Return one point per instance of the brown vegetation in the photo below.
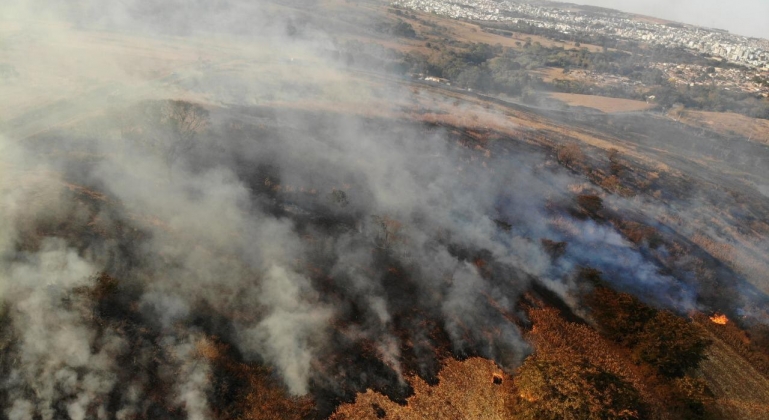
(620, 316)
(671, 344)
(256, 394)
(639, 233)
(591, 203)
(571, 155)
(560, 341)
(572, 390)
(471, 389)
(573, 347)
(728, 123)
(591, 373)
(602, 103)
(186, 120)
(740, 392)
(752, 347)
(662, 339)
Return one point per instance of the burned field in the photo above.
(283, 260)
(262, 219)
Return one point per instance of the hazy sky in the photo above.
(742, 17)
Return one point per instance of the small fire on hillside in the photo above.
(720, 319)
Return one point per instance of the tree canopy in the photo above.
(571, 390)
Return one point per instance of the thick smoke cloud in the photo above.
(402, 224)
(54, 340)
(293, 330)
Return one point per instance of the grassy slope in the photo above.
(728, 123)
(740, 391)
(602, 103)
(466, 391)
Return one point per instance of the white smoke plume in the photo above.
(288, 230)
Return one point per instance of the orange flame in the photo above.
(720, 319)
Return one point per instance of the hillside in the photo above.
(242, 210)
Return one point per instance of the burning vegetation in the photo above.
(263, 237)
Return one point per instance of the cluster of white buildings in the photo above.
(734, 48)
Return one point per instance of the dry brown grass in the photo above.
(720, 251)
(747, 346)
(459, 30)
(528, 126)
(601, 103)
(728, 123)
(558, 339)
(744, 255)
(741, 393)
(548, 74)
(466, 391)
(261, 397)
(470, 32)
(476, 112)
(62, 63)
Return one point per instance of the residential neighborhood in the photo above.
(736, 79)
(734, 48)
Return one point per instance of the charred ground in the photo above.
(282, 234)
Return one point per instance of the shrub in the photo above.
(186, 120)
(692, 396)
(339, 197)
(570, 155)
(611, 183)
(574, 390)
(553, 248)
(671, 344)
(590, 202)
(620, 316)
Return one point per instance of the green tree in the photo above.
(474, 77)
